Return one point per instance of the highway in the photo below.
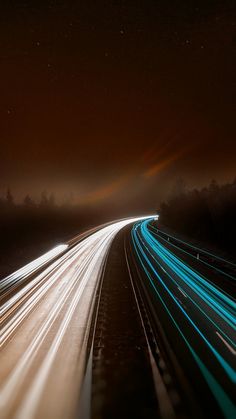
(128, 287)
(45, 321)
(198, 319)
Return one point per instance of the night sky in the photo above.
(116, 100)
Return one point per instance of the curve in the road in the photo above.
(203, 315)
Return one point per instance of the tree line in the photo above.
(29, 228)
(47, 200)
(207, 215)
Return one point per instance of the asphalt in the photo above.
(45, 323)
(44, 331)
(195, 325)
(151, 328)
(122, 382)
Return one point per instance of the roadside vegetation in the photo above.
(29, 229)
(207, 215)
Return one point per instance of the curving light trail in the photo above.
(16, 278)
(203, 314)
(193, 250)
(45, 328)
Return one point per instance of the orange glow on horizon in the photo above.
(104, 192)
(161, 165)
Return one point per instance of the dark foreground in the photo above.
(125, 322)
(191, 342)
(123, 383)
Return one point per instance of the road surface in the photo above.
(159, 315)
(44, 328)
(197, 316)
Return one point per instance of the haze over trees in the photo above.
(30, 228)
(207, 215)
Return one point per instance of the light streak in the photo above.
(216, 307)
(67, 284)
(31, 267)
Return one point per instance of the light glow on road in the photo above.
(204, 307)
(31, 267)
(47, 320)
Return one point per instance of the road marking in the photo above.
(166, 408)
(232, 350)
(183, 292)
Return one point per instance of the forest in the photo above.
(207, 216)
(29, 229)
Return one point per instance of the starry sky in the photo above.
(114, 101)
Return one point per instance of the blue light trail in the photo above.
(210, 313)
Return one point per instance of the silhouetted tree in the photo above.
(28, 201)
(206, 215)
(9, 197)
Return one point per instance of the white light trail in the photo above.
(31, 267)
(39, 320)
